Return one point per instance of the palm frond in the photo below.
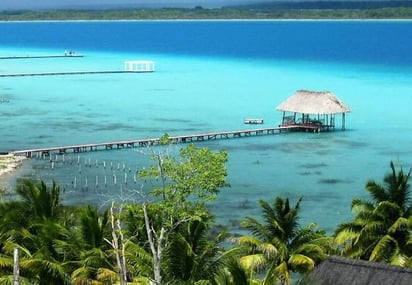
(377, 191)
(254, 262)
(308, 234)
(360, 205)
(400, 259)
(68, 249)
(257, 245)
(347, 233)
(9, 280)
(9, 247)
(107, 275)
(232, 273)
(395, 188)
(380, 251)
(258, 229)
(400, 225)
(372, 230)
(95, 258)
(138, 259)
(249, 240)
(301, 263)
(283, 238)
(53, 270)
(137, 254)
(279, 273)
(93, 226)
(387, 210)
(310, 249)
(85, 275)
(6, 262)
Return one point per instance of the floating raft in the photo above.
(253, 121)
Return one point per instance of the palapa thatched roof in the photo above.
(313, 102)
(338, 270)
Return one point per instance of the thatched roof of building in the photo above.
(313, 102)
(338, 270)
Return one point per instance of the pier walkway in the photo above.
(40, 56)
(68, 73)
(146, 142)
(134, 66)
(155, 141)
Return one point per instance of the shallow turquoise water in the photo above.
(199, 94)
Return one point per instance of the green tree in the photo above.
(139, 256)
(279, 246)
(382, 227)
(187, 181)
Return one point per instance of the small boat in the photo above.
(253, 121)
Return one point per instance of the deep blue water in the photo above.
(349, 41)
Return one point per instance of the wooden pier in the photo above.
(69, 73)
(134, 66)
(175, 139)
(145, 142)
(41, 56)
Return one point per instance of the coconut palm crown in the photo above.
(382, 227)
(278, 245)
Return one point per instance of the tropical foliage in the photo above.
(186, 183)
(140, 242)
(168, 239)
(279, 246)
(34, 224)
(382, 227)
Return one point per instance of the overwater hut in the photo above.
(339, 270)
(312, 110)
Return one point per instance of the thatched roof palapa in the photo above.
(339, 270)
(313, 102)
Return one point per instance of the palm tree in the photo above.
(32, 223)
(193, 256)
(279, 246)
(233, 273)
(36, 203)
(42, 201)
(381, 229)
(92, 260)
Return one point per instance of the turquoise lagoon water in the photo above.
(197, 91)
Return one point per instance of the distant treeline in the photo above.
(199, 13)
(336, 5)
